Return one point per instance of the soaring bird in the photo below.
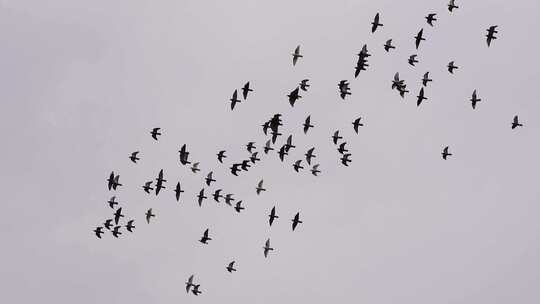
(296, 220)
(418, 38)
(130, 225)
(420, 97)
(345, 160)
(253, 158)
(452, 5)
(246, 90)
(234, 100)
(217, 195)
(260, 187)
(229, 198)
(375, 23)
(272, 215)
(201, 197)
(230, 268)
(195, 167)
(267, 147)
(307, 124)
(412, 59)
(282, 152)
(178, 191)
(209, 178)
(238, 207)
(491, 34)
(196, 290)
(315, 170)
(452, 67)
(148, 187)
(430, 18)
(205, 237)
(296, 55)
(184, 155)
(294, 96)
(98, 231)
(304, 84)
(356, 123)
(297, 165)
(108, 224)
(426, 79)
(149, 215)
(221, 155)
(336, 137)
(189, 283)
(388, 45)
(445, 153)
(160, 181)
(516, 123)
(134, 157)
(155, 133)
(117, 215)
(250, 146)
(342, 148)
(116, 231)
(309, 155)
(112, 201)
(235, 168)
(267, 248)
(474, 99)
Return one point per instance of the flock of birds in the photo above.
(271, 128)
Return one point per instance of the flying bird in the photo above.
(239, 207)
(117, 215)
(178, 191)
(234, 169)
(296, 220)
(294, 96)
(221, 155)
(272, 216)
(491, 34)
(267, 248)
(420, 97)
(205, 237)
(516, 123)
(345, 159)
(246, 90)
(388, 45)
(397, 83)
(112, 201)
(274, 136)
(289, 143)
(234, 100)
(430, 18)
(230, 268)
(155, 133)
(160, 181)
(254, 157)
(426, 79)
(209, 178)
(184, 155)
(149, 215)
(116, 231)
(452, 67)
(245, 165)
(356, 123)
(148, 187)
(110, 181)
(195, 167)
(196, 290)
(336, 137)
(229, 199)
(315, 170)
(375, 23)
(130, 225)
(282, 152)
(267, 147)
(265, 127)
(201, 197)
(344, 89)
(189, 283)
(250, 146)
(474, 99)
(296, 55)
(452, 5)
(445, 153)
(309, 155)
(98, 231)
(134, 157)
(297, 165)
(418, 38)
(108, 224)
(217, 195)
(342, 148)
(307, 124)
(260, 187)
(412, 59)
(304, 84)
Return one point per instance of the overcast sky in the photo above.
(83, 83)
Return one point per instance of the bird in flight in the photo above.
(205, 237)
(117, 215)
(412, 59)
(356, 123)
(112, 201)
(396, 82)
(130, 226)
(217, 195)
(221, 155)
(238, 207)
(250, 146)
(178, 191)
(344, 89)
(116, 231)
(246, 90)
(307, 124)
(155, 133)
(491, 34)
(235, 169)
(419, 37)
(430, 18)
(160, 181)
(342, 148)
(148, 187)
(184, 155)
(234, 100)
(452, 5)
(260, 187)
(195, 167)
(201, 197)
(229, 198)
(294, 96)
(282, 152)
(336, 137)
(196, 290)
(474, 99)
(245, 165)
(267, 147)
(420, 97)
(426, 79)
(289, 143)
(452, 67)
(345, 159)
(272, 215)
(230, 268)
(297, 165)
(189, 283)
(388, 45)
(304, 84)
(315, 170)
(296, 220)
(108, 224)
(445, 153)
(134, 157)
(98, 231)
(267, 248)
(209, 178)
(516, 123)
(254, 157)
(296, 55)
(113, 181)
(149, 215)
(309, 155)
(375, 24)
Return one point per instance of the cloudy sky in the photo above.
(83, 83)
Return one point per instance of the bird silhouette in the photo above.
(98, 231)
(260, 187)
(221, 155)
(430, 18)
(253, 158)
(238, 207)
(294, 96)
(205, 237)
(445, 153)
(235, 169)
(117, 215)
(296, 55)
(134, 157)
(130, 226)
(267, 147)
(426, 79)
(209, 178)
(195, 167)
(418, 38)
(229, 198)
(267, 248)
(116, 231)
(304, 84)
(309, 155)
(272, 216)
(375, 24)
(474, 99)
(388, 45)
(342, 148)
(149, 215)
(159, 182)
(250, 146)
(234, 100)
(245, 165)
(491, 34)
(297, 165)
(217, 195)
(516, 123)
(345, 160)
(189, 283)
(196, 290)
(178, 191)
(420, 97)
(148, 187)
(246, 90)
(452, 5)
(112, 201)
(296, 220)
(184, 154)
(307, 124)
(155, 133)
(289, 143)
(230, 268)
(201, 197)
(412, 59)
(336, 137)
(315, 170)
(452, 67)
(356, 123)
(108, 224)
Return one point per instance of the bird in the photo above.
(289, 143)
(110, 180)
(267, 147)
(294, 96)
(418, 38)
(445, 153)
(375, 23)
(364, 52)
(205, 237)
(265, 127)
(234, 100)
(178, 191)
(250, 146)
(98, 231)
(474, 99)
(361, 65)
(254, 157)
(452, 5)
(344, 89)
(259, 187)
(148, 187)
(108, 224)
(130, 225)
(452, 67)
(195, 167)
(267, 248)
(209, 178)
(196, 290)
(396, 82)
(274, 136)
(345, 159)
(297, 165)
(315, 170)
(304, 84)
(117, 215)
(230, 268)
(201, 197)
(221, 155)
(229, 199)
(516, 123)
(491, 34)
(112, 201)
(245, 165)
(430, 18)
(246, 90)
(307, 124)
(282, 152)
(296, 220)
(309, 155)
(342, 148)
(184, 155)
(272, 215)
(388, 45)
(412, 59)
(116, 231)
(356, 123)
(134, 157)
(160, 181)
(402, 90)
(420, 97)
(189, 283)
(336, 137)
(426, 79)
(149, 215)
(155, 133)
(217, 195)
(239, 207)
(235, 169)
(296, 55)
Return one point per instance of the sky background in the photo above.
(83, 83)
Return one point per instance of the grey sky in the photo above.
(83, 82)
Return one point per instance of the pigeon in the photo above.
(420, 97)
(445, 153)
(336, 137)
(155, 133)
(250, 146)
(267, 248)
(253, 158)
(112, 201)
(375, 23)
(148, 187)
(98, 231)
(296, 55)
(201, 197)
(130, 225)
(426, 79)
(117, 215)
(246, 90)
(108, 224)
(184, 155)
(452, 5)
(418, 38)
(234, 100)
(134, 157)
(160, 181)
(178, 190)
(189, 283)
(491, 34)
(230, 268)
(297, 165)
(345, 159)
(515, 123)
(307, 124)
(272, 215)
(195, 167)
(259, 187)
(149, 215)
(209, 179)
(267, 147)
(342, 148)
(221, 155)
(309, 155)
(304, 84)
(430, 18)
(412, 59)
(388, 45)
(229, 199)
(239, 207)
(116, 231)
(217, 195)
(296, 220)
(235, 169)
(196, 290)
(452, 67)
(294, 96)
(474, 100)
(356, 123)
(205, 237)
